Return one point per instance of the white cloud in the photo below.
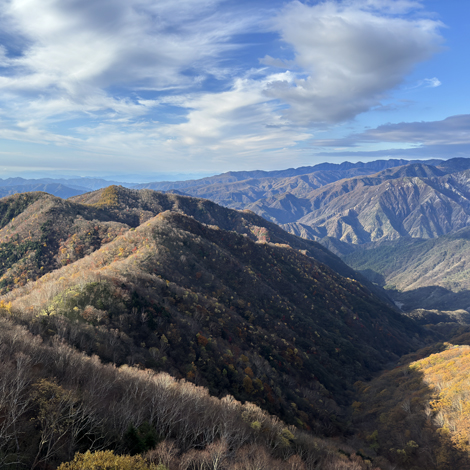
(243, 106)
(117, 66)
(352, 54)
(78, 49)
(242, 121)
(432, 82)
(426, 83)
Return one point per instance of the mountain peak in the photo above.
(110, 196)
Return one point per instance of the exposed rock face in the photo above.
(349, 202)
(368, 209)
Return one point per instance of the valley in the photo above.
(234, 235)
(216, 332)
(402, 224)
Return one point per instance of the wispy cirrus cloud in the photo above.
(425, 83)
(431, 82)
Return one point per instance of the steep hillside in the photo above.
(438, 268)
(417, 414)
(40, 233)
(55, 401)
(225, 311)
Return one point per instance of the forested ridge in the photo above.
(175, 329)
(402, 223)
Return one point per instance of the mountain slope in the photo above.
(440, 266)
(417, 414)
(136, 206)
(388, 206)
(56, 401)
(219, 308)
(40, 233)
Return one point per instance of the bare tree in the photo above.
(164, 454)
(14, 402)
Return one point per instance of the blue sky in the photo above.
(204, 86)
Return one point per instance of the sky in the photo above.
(199, 87)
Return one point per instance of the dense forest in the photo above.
(149, 330)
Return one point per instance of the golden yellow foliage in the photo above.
(107, 460)
(109, 197)
(5, 306)
(447, 373)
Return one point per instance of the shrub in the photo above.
(107, 460)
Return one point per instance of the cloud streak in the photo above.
(453, 130)
(434, 139)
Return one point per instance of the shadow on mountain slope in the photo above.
(432, 297)
(405, 415)
(374, 277)
(224, 311)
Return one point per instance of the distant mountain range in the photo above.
(415, 201)
(60, 187)
(72, 186)
(354, 203)
(350, 208)
(57, 189)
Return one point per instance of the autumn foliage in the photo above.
(132, 317)
(418, 413)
